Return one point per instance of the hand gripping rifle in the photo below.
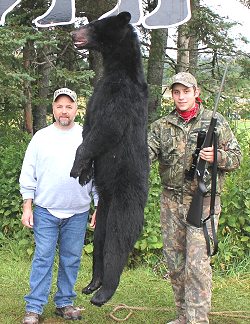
(194, 216)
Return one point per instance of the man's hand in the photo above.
(207, 154)
(93, 220)
(27, 217)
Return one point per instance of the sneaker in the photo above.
(180, 320)
(69, 313)
(31, 318)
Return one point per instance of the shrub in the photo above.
(234, 229)
(149, 246)
(12, 151)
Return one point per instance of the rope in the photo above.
(234, 314)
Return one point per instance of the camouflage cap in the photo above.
(66, 92)
(185, 78)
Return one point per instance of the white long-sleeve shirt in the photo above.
(45, 175)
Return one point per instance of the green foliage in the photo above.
(88, 244)
(211, 29)
(234, 229)
(11, 81)
(148, 248)
(24, 53)
(11, 156)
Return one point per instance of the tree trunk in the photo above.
(193, 54)
(187, 43)
(28, 52)
(182, 53)
(193, 41)
(40, 109)
(155, 69)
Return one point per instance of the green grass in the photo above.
(138, 288)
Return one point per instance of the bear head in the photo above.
(104, 32)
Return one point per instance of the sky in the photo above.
(235, 11)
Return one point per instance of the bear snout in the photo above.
(79, 39)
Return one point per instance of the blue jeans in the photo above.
(49, 231)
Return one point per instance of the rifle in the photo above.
(194, 216)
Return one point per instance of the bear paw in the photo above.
(101, 297)
(84, 171)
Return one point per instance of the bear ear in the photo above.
(124, 17)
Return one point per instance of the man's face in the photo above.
(64, 110)
(184, 97)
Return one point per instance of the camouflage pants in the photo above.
(186, 256)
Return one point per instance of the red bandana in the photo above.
(188, 114)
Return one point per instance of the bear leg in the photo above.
(124, 224)
(111, 280)
(99, 239)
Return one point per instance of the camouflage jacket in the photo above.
(172, 142)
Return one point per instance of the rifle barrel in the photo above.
(220, 90)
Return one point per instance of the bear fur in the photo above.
(115, 143)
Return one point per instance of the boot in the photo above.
(168, 13)
(31, 318)
(134, 7)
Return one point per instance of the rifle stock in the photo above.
(195, 210)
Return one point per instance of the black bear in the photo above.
(115, 143)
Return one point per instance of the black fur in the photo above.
(115, 141)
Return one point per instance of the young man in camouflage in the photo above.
(172, 141)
